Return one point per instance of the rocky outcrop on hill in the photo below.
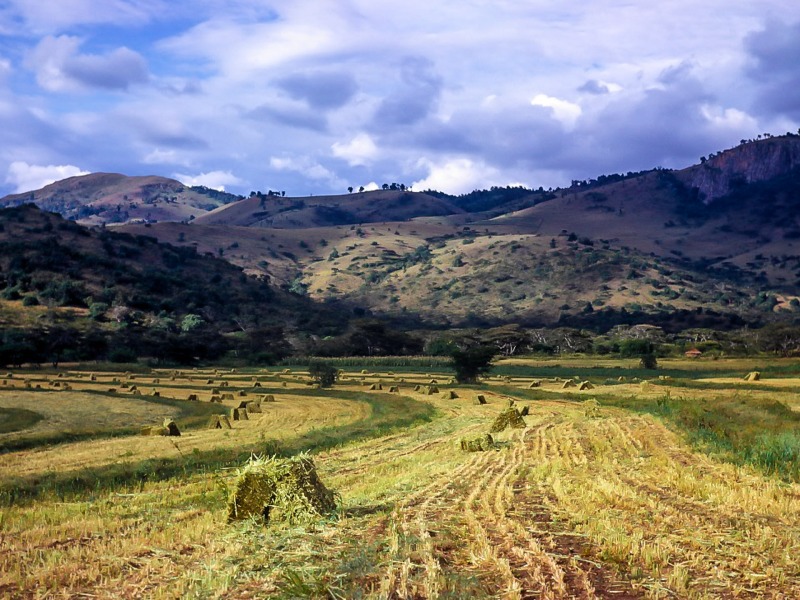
(748, 163)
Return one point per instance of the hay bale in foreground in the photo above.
(510, 417)
(478, 444)
(525, 411)
(280, 489)
(239, 414)
(586, 385)
(753, 376)
(591, 408)
(218, 422)
(253, 407)
(479, 399)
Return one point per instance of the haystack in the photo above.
(510, 417)
(268, 398)
(534, 384)
(171, 427)
(283, 384)
(243, 404)
(450, 395)
(591, 408)
(218, 422)
(92, 377)
(430, 390)
(479, 399)
(224, 384)
(376, 386)
(241, 393)
(567, 384)
(621, 379)
(209, 382)
(253, 407)
(193, 398)
(525, 410)
(286, 371)
(9, 375)
(644, 386)
(154, 430)
(239, 414)
(215, 398)
(394, 389)
(753, 376)
(432, 382)
(280, 489)
(215, 391)
(586, 385)
(156, 394)
(112, 390)
(478, 444)
(417, 388)
(257, 384)
(227, 396)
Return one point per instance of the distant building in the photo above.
(693, 353)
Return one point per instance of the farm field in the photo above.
(664, 488)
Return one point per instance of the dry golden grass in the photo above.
(581, 503)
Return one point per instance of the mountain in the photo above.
(101, 198)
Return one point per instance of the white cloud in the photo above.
(564, 111)
(165, 157)
(306, 167)
(455, 176)
(359, 151)
(216, 180)
(25, 177)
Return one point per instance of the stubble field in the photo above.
(623, 490)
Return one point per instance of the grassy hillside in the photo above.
(113, 198)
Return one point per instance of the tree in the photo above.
(191, 321)
(323, 373)
(471, 363)
(350, 189)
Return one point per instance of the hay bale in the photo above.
(239, 414)
(364, 372)
(376, 386)
(241, 393)
(209, 382)
(567, 384)
(224, 384)
(644, 386)
(479, 399)
(154, 430)
(193, 398)
(478, 444)
(218, 422)
(215, 390)
(525, 411)
(268, 398)
(432, 382)
(510, 417)
(243, 404)
(286, 371)
(417, 388)
(156, 381)
(449, 395)
(93, 377)
(9, 375)
(534, 384)
(112, 390)
(257, 384)
(283, 384)
(591, 408)
(753, 376)
(280, 489)
(254, 407)
(171, 427)
(394, 389)
(215, 398)
(585, 386)
(510, 402)
(156, 394)
(227, 396)
(621, 379)
(431, 390)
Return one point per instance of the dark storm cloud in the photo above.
(323, 91)
(775, 68)
(415, 100)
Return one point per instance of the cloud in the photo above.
(293, 116)
(455, 176)
(216, 180)
(415, 99)
(564, 111)
(60, 67)
(775, 68)
(359, 151)
(56, 16)
(25, 177)
(599, 88)
(321, 90)
(307, 167)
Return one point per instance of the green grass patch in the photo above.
(17, 419)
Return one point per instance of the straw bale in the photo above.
(286, 371)
(112, 390)
(417, 388)
(525, 411)
(243, 404)
(171, 428)
(283, 384)
(227, 396)
(156, 394)
(478, 444)
(591, 408)
(156, 381)
(432, 382)
(218, 422)
(534, 384)
(394, 389)
(268, 398)
(753, 376)
(510, 417)
(644, 386)
(585, 385)
(479, 399)
(253, 407)
(9, 375)
(621, 379)
(216, 398)
(449, 395)
(239, 414)
(431, 390)
(567, 384)
(224, 384)
(241, 393)
(376, 386)
(257, 384)
(280, 489)
(193, 398)
(154, 430)
(92, 377)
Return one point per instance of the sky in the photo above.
(314, 96)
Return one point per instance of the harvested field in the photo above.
(593, 498)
